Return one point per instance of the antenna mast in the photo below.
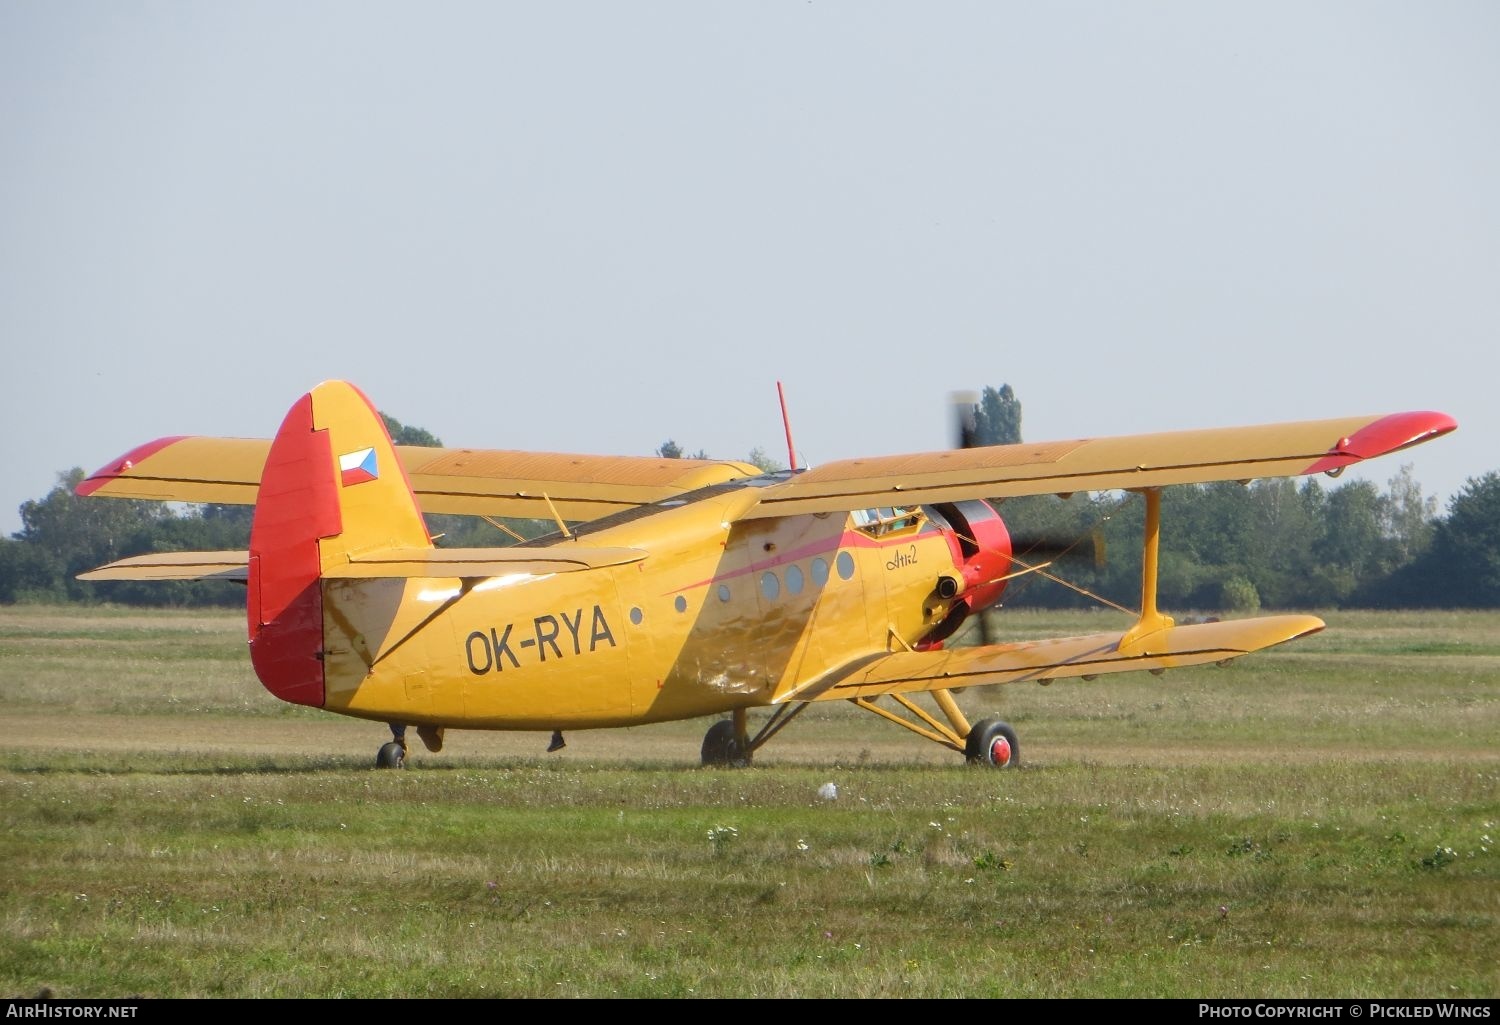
(791, 451)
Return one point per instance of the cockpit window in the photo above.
(887, 519)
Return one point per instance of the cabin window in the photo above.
(680, 604)
(819, 572)
(845, 563)
(723, 592)
(770, 586)
(794, 580)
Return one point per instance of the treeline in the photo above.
(1275, 543)
(63, 535)
(1285, 543)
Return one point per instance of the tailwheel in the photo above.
(392, 755)
(724, 746)
(992, 742)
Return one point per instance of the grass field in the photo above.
(1319, 820)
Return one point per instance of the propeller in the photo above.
(965, 419)
(1034, 548)
(1027, 549)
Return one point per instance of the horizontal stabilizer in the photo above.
(466, 563)
(175, 566)
(1056, 658)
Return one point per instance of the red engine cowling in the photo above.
(981, 556)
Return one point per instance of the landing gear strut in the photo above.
(988, 742)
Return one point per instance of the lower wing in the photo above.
(1173, 647)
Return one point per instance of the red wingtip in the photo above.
(1388, 434)
(116, 467)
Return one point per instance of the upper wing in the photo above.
(581, 487)
(1100, 464)
(445, 480)
(1043, 661)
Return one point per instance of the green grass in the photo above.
(1315, 821)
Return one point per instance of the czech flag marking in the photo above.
(358, 467)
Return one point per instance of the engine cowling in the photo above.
(981, 548)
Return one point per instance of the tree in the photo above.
(63, 535)
(758, 457)
(1279, 532)
(1236, 594)
(1465, 552)
(997, 417)
(1408, 517)
(27, 572)
(1350, 548)
(402, 434)
(669, 449)
(78, 534)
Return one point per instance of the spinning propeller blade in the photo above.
(1027, 549)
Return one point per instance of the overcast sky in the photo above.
(596, 226)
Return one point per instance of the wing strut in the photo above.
(1150, 621)
(933, 730)
(562, 525)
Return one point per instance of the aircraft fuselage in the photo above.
(723, 613)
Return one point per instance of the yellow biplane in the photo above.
(676, 589)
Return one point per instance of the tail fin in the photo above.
(331, 490)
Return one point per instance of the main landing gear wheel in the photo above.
(721, 746)
(992, 742)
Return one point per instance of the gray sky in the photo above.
(595, 226)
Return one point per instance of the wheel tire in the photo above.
(390, 756)
(721, 746)
(993, 743)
